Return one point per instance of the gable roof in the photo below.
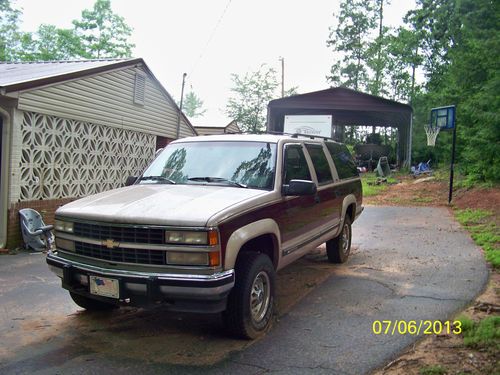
(19, 76)
(348, 107)
(16, 76)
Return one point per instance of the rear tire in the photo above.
(91, 304)
(339, 248)
(250, 304)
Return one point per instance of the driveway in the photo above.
(407, 264)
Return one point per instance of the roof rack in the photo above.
(296, 135)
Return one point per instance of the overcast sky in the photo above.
(173, 37)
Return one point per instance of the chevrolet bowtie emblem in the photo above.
(110, 244)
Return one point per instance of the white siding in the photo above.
(209, 131)
(233, 128)
(108, 99)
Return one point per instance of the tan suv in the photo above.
(208, 224)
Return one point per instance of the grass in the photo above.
(370, 188)
(483, 231)
(432, 370)
(482, 334)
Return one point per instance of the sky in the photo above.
(211, 39)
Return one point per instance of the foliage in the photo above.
(192, 105)
(10, 36)
(370, 186)
(98, 34)
(432, 370)
(103, 33)
(454, 44)
(458, 40)
(482, 334)
(251, 93)
(484, 232)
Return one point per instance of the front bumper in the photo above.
(195, 293)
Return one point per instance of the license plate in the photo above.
(103, 286)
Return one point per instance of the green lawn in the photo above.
(370, 188)
(483, 231)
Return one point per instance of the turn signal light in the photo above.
(214, 258)
(213, 237)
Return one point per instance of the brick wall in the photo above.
(46, 208)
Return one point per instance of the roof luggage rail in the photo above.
(296, 135)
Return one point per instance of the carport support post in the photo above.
(452, 164)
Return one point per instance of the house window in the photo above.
(139, 88)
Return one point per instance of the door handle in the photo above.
(317, 199)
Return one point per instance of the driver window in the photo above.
(295, 164)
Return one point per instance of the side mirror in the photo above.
(299, 187)
(130, 180)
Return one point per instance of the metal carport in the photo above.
(347, 107)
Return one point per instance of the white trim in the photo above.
(4, 179)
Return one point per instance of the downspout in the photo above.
(4, 180)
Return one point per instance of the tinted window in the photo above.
(247, 163)
(346, 167)
(320, 163)
(295, 164)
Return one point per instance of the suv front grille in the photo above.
(119, 233)
(140, 256)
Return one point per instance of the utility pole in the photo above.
(282, 59)
(180, 106)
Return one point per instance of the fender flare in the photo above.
(247, 233)
(348, 200)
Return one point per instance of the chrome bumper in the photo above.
(140, 288)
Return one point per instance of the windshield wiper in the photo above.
(157, 178)
(217, 179)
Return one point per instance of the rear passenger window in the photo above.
(346, 167)
(295, 164)
(320, 163)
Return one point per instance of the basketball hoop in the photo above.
(432, 133)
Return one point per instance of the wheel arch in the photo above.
(349, 207)
(262, 235)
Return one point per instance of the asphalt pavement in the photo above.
(407, 264)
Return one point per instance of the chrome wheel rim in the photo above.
(260, 296)
(346, 237)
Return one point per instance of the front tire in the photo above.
(250, 304)
(90, 304)
(339, 248)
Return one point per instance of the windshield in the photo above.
(238, 164)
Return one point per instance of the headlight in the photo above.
(187, 258)
(192, 238)
(64, 226)
(63, 244)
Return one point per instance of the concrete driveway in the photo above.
(407, 264)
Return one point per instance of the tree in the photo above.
(103, 33)
(251, 93)
(459, 40)
(402, 61)
(350, 41)
(10, 36)
(377, 58)
(193, 105)
(52, 43)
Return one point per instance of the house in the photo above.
(230, 128)
(74, 128)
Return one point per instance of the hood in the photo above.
(158, 204)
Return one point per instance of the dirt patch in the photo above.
(447, 351)
(412, 192)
